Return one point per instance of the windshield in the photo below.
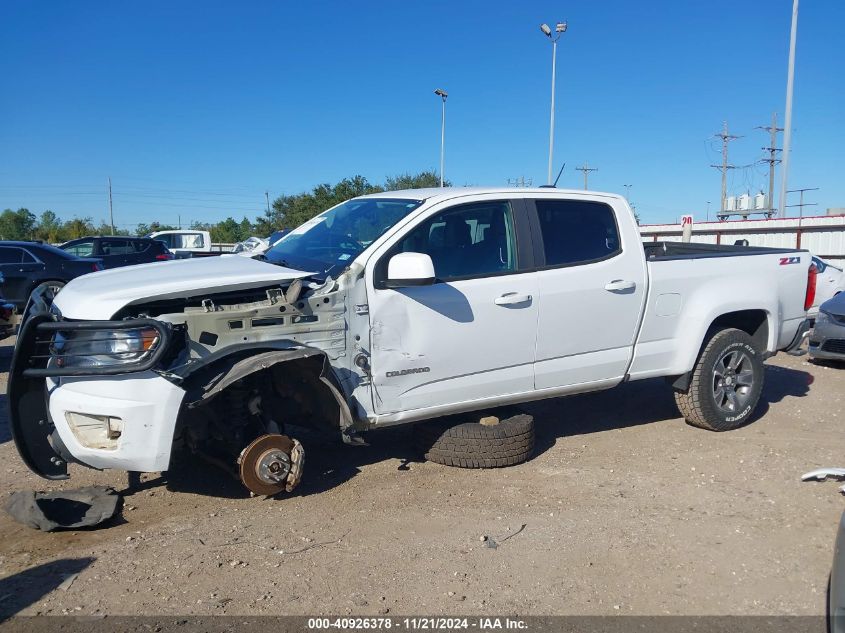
(325, 245)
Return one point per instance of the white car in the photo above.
(395, 308)
(251, 246)
(830, 281)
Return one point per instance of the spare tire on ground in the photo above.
(484, 442)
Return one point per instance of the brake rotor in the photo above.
(266, 463)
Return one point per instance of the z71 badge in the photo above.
(785, 261)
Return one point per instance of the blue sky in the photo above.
(196, 108)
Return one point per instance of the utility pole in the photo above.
(787, 124)
(111, 212)
(708, 210)
(267, 196)
(520, 182)
(628, 192)
(773, 159)
(586, 169)
(724, 167)
(560, 29)
(801, 203)
(442, 94)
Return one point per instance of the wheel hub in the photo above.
(266, 465)
(733, 381)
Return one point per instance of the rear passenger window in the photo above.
(469, 241)
(116, 247)
(576, 232)
(82, 249)
(10, 255)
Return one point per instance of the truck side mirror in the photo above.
(410, 269)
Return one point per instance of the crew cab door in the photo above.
(592, 281)
(469, 335)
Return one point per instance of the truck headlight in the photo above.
(102, 348)
(822, 317)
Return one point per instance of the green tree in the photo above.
(226, 232)
(246, 229)
(50, 228)
(17, 225)
(421, 180)
(79, 227)
(291, 211)
(145, 229)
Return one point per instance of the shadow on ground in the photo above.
(25, 588)
(329, 463)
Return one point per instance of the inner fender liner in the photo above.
(232, 372)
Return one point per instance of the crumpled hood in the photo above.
(101, 294)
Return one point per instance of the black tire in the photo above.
(708, 403)
(474, 445)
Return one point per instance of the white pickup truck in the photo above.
(186, 243)
(394, 308)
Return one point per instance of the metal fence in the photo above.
(823, 236)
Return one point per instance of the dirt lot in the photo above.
(626, 510)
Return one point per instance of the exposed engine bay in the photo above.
(254, 363)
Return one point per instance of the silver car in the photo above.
(827, 340)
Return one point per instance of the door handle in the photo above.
(511, 298)
(618, 285)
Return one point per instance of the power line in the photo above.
(586, 169)
(772, 160)
(801, 204)
(111, 212)
(724, 167)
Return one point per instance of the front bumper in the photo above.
(142, 405)
(827, 341)
(145, 404)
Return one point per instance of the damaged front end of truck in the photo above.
(222, 373)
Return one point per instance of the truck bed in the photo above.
(663, 251)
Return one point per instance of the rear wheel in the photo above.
(726, 383)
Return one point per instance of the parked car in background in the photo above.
(117, 251)
(185, 244)
(259, 245)
(830, 281)
(7, 313)
(29, 265)
(251, 246)
(275, 236)
(827, 340)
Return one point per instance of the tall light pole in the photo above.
(442, 94)
(560, 29)
(628, 192)
(787, 124)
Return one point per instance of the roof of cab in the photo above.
(446, 193)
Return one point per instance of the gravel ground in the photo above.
(625, 508)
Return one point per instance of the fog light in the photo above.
(95, 431)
